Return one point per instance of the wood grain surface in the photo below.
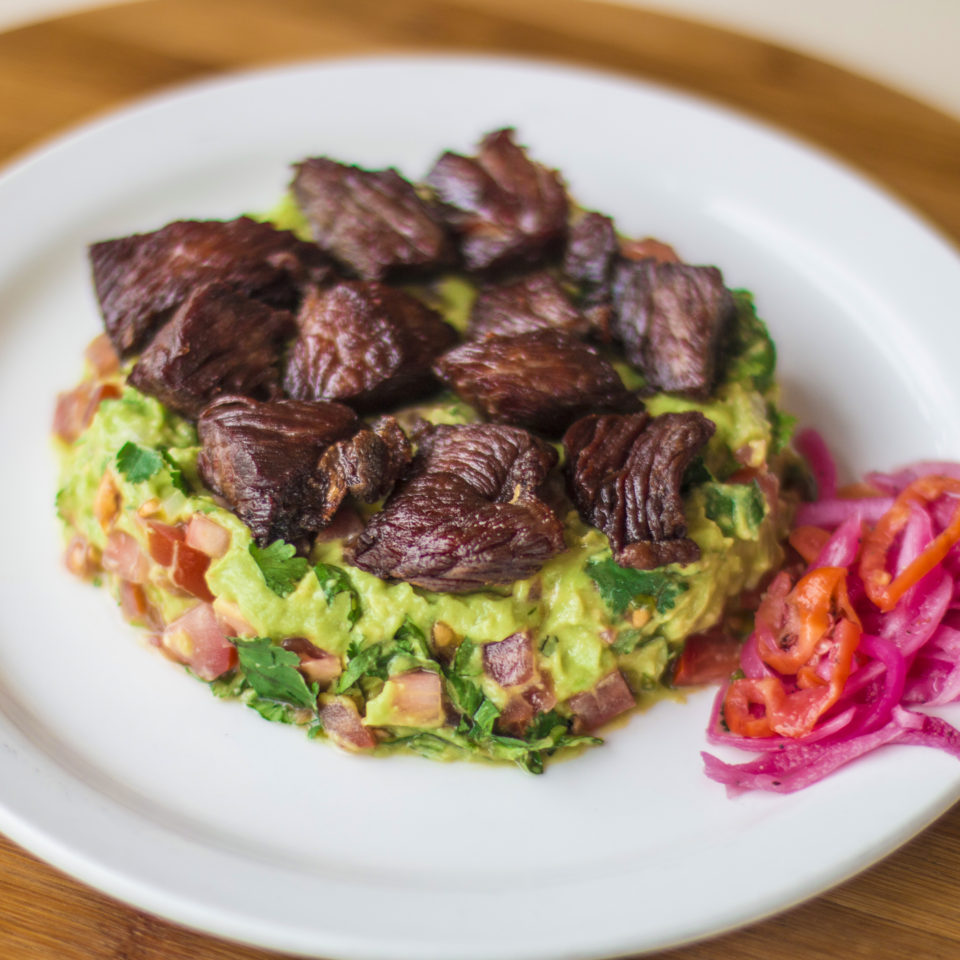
(59, 73)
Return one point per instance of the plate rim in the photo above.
(60, 853)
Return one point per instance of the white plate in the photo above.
(118, 768)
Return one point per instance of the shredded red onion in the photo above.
(910, 655)
(813, 448)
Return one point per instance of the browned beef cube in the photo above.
(590, 255)
(219, 341)
(370, 220)
(671, 319)
(140, 280)
(368, 464)
(624, 474)
(541, 380)
(262, 459)
(469, 515)
(366, 344)
(505, 209)
(534, 302)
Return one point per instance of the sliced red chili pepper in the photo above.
(809, 541)
(882, 587)
(809, 633)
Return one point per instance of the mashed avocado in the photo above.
(585, 616)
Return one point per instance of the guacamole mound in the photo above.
(585, 617)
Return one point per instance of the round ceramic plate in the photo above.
(120, 769)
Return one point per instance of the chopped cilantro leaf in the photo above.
(272, 673)
(281, 569)
(230, 685)
(627, 641)
(781, 426)
(544, 724)
(411, 639)
(620, 586)
(137, 463)
(176, 474)
(333, 582)
(361, 662)
(484, 716)
(737, 509)
(698, 472)
(751, 354)
(465, 694)
(462, 662)
(271, 710)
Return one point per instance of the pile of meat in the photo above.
(277, 347)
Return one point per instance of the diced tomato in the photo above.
(197, 640)
(609, 698)
(124, 557)
(106, 501)
(809, 541)
(707, 658)
(75, 409)
(417, 698)
(187, 566)
(101, 356)
(231, 620)
(207, 536)
(135, 606)
(82, 559)
(189, 571)
(161, 540)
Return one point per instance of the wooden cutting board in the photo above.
(61, 72)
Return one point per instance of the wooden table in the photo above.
(60, 72)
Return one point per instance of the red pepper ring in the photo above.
(812, 634)
(883, 589)
(804, 616)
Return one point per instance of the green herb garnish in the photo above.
(272, 673)
(333, 582)
(281, 568)
(751, 354)
(621, 586)
(138, 463)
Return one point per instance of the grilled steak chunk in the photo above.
(219, 341)
(671, 318)
(370, 220)
(534, 302)
(140, 280)
(368, 464)
(624, 475)
(541, 380)
(366, 344)
(262, 458)
(469, 515)
(590, 255)
(505, 209)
